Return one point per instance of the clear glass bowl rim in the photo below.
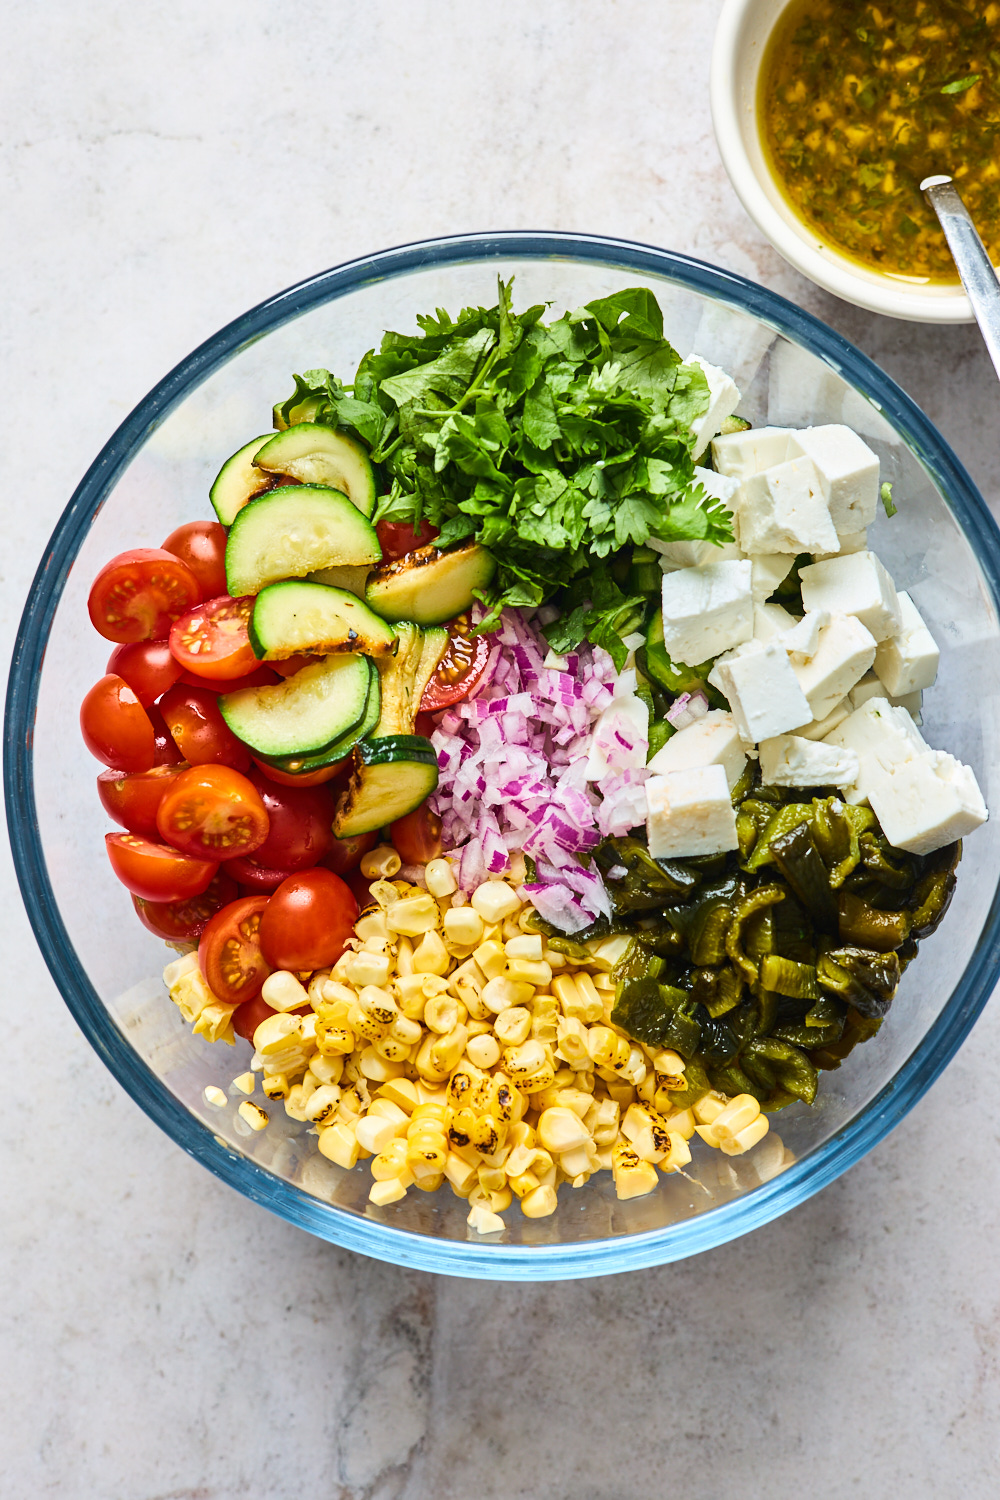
(456, 1258)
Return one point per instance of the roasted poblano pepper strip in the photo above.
(896, 874)
(683, 1033)
(866, 927)
(932, 893)
(718, 990)
(642, 1010)
(696, 1084)
(801, 864)
(789, 978)
(707, 933)
(789, 1065)
(639, 962)
(743, 787)
(763, 896)
(779, 823)
(837, 827)
(866, 979)
(731, 1079)
(808, 1037)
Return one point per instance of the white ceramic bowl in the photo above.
(740, 40)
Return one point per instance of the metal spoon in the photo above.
(970, 257)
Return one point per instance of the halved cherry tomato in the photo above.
(255, 877)
(229, 951)
(132, 797)
(154, 871)
(212, 812)
(138, 595)
(424, 724)
(396, 538)
(201, 546)
(166, 752)
(211, 639)
(200, 732)
(185, 921)
(248, 1016)
(261, 676)
(301, 825)
(417, 837)
(307, 921)
(347, 854)
(304, 778)
(461, 668)
(292, 664)
(147, 666)
(360, 887)
(116, 727)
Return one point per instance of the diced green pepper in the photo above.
(866, 927)
(763, 896)
(789, 978)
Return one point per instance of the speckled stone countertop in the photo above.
(165, 167)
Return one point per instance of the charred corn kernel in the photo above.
(408, 990)
(363, 1025)
(483, 1050)
(378, 1068)
(378, 1004)
(495, 900)
(299, 1096)
(426, 1156)
(372, 924)
(366, 970)
(214, 1096)
(560, 1129)
(413, 915)
(540, 1203)
(525, 1061)
(646, 1091)
(282, 991)
(484, 1221)
(667, 1061)
(606, 952)
(621, 1091)
(430, 955)
(739, 1112)
(245, 1083)
(405, 1031)
(430, 1183)
(381, 863)
(635, 1069)
(432, 1113)
(446, 1051)
(523, 1184)
(464, 926)
(440, 878)
(400, 1091)
(391, 1161)
(633, 1177)
(678, 1155)
(463, 1122)
(526, 945)
(381, 1194)
(527, 971)
(275, 1033)
(462, 1085)
(512, 1026)
(491, 959)
(741, 1140)
(487, 1134)
(334, 1041)
(681, 1122)
(501, 992)
(275, 1086)
(606, 1048)
(322, 1104)
(375, 1133)
(709, 1106)
(443, 1013)
(571, 1042)
(253, 1115)
(459, 1173)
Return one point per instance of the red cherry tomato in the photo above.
(396, 538)
(185, 921)
(360, 888)
(301, 825)
(424, 724)
(201, 546)
(212, 812)
(248, 1016)
(147, 666)
(417, 837)
(199, 730)
(347, 854)
(293, 664)
(254, 877)
(211, 639)
(154, 871)
(460, 669)
(308, 921)
(166, 752)
(229, 951)
(116, 727)
(132, 797)
(261, 676)
(138, 595)
(304, 778)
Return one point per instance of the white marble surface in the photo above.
(164, 167)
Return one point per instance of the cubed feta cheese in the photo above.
(845, 652)
(706, 609)
(855, 585)
(761, 688)
(871, 687)
(882, 737)
(770, 620)
(769, 569)
(675, 555)
(751, 452)
(723, 399)
(928, 802)
(848, 473)
(792, 760)
(690, 812)
(908, 661)
(802, 641)
(783, 510)
(712, 741)
(850, 541)
(820, 728)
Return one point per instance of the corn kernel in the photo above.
(430, 955)
(561, 1129)
(275, 1032)
(378, 1005)
(377, 1067)
(633, 1177)
(527, 971)
(276, 1086)
(459, 1173)
(501, 992)
(413, 915)
(607, 952)
(214, 1096)
(334, 1041)
(571, 1037)
(484, 1221)
(371, 924)
(430, 1183)
(606, 1048)
(400, 1091)
(446, 1051)
(442, 1014)
(381, 863)
(678, 1155)
(384, 1193)
(391, 1162)
(440, 878)
(681, 1122)
(322, 1104)
(282, 991)
(523, 1184)
(741, 1111)
(375, 1133)
(483, 1050)
(526, 945)
(742, 1140)
(491, 958)
(709, 1136)
(495, 900)
(708, 1106)
(365, 969)
(539, 1203)
(512, 1026)
(245, 1083)
(253, 1115)
(463, 926)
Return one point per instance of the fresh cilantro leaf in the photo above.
(887, 501)
(959, 85)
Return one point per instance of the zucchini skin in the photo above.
(392, 776)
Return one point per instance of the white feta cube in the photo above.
(783, 510)
(771, 620)
(674, 555)
(883, 737)
(761, 688)
(711, 741)
(792, 760)
(928, 802)
(850, 541)
(802, 641)
(723, 399)
(741, 453)
(706, 609)
(871, 687)
(690, 812)
(820, 728)
(844, 654)
(769, 569)
(908, 661)
(855, 585)
(848, 472)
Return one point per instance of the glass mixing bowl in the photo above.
(155, 473)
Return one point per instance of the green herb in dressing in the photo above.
(859, 102)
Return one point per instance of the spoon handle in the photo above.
(969, 254)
